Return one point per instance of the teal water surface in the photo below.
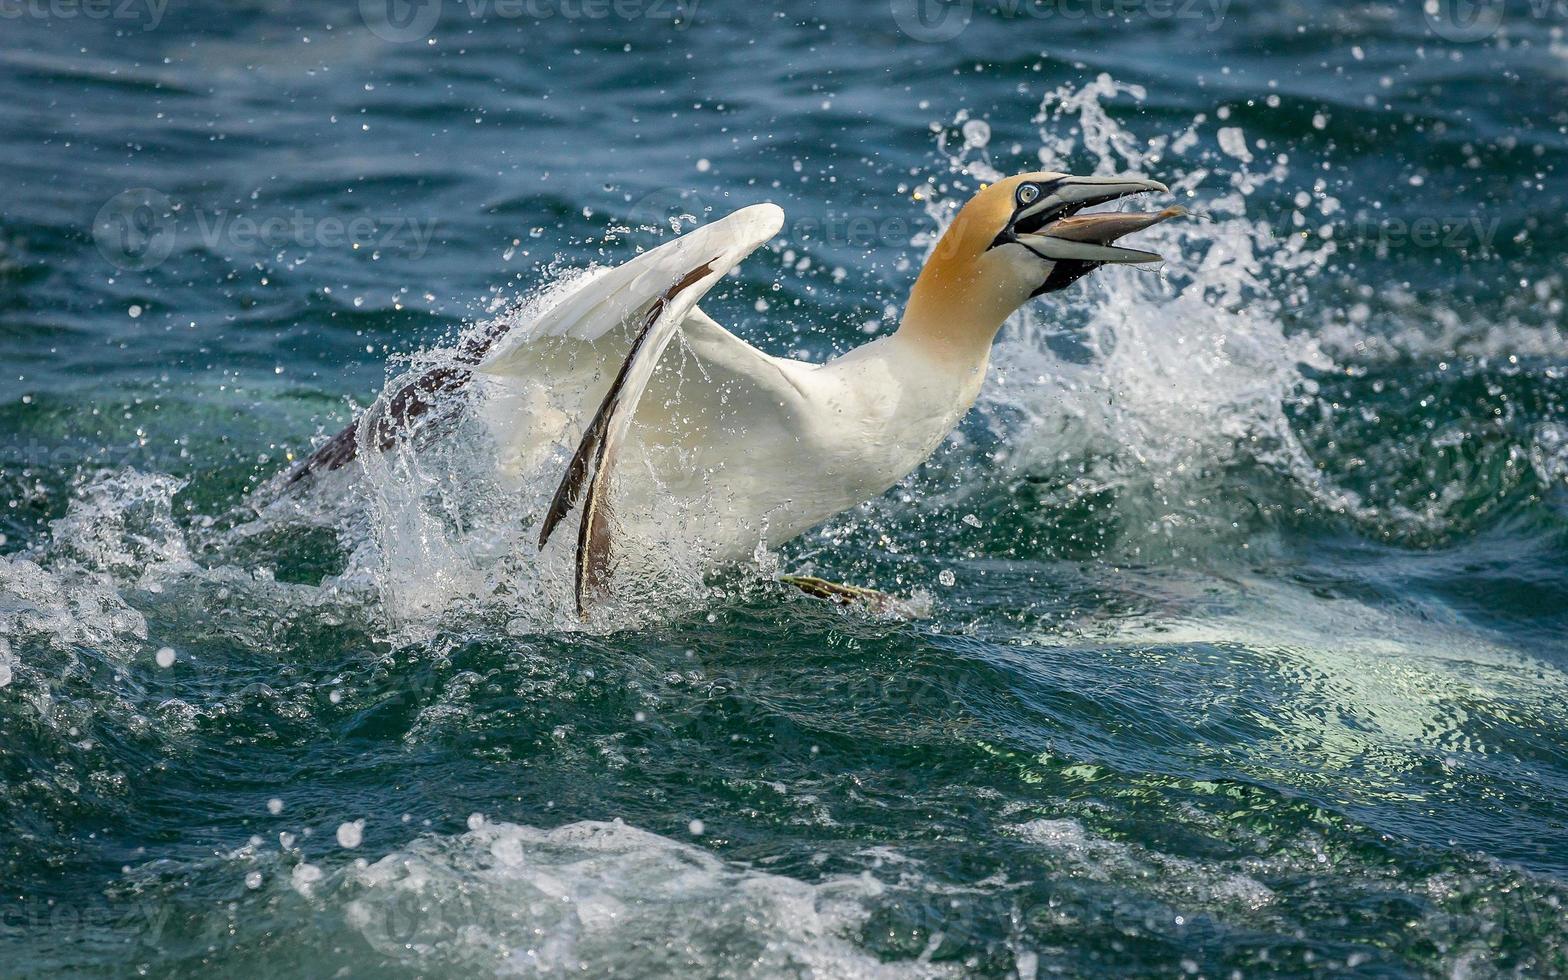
(1246, 583)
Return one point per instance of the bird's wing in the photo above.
(656, 293)
(587, 315)
(628, 291)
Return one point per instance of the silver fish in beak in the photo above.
(1046, 221)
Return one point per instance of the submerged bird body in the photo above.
(684, 432)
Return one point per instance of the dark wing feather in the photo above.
(409, 402)
(598, 445)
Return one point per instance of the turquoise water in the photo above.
(1246, 582)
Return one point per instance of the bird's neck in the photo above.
(943, 341)
(951, 316)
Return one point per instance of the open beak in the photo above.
(1060, 233)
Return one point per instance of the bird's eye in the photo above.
(1028, 194)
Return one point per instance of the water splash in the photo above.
(1166, 393)
(592, 896)
(1185, 406)
(122, 523)
(64, 610)
(455, 508)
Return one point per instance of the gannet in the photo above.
(719, 444)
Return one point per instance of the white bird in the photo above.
(720, 444)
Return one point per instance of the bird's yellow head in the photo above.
(1017, 239)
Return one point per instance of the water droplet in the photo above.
(304, 876)
(351, 833)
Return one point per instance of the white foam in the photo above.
(604, 899)
(1217, 886)
(123, 523)
(1363, 691)
(65, 609)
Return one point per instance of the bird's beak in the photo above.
(1055, 230)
